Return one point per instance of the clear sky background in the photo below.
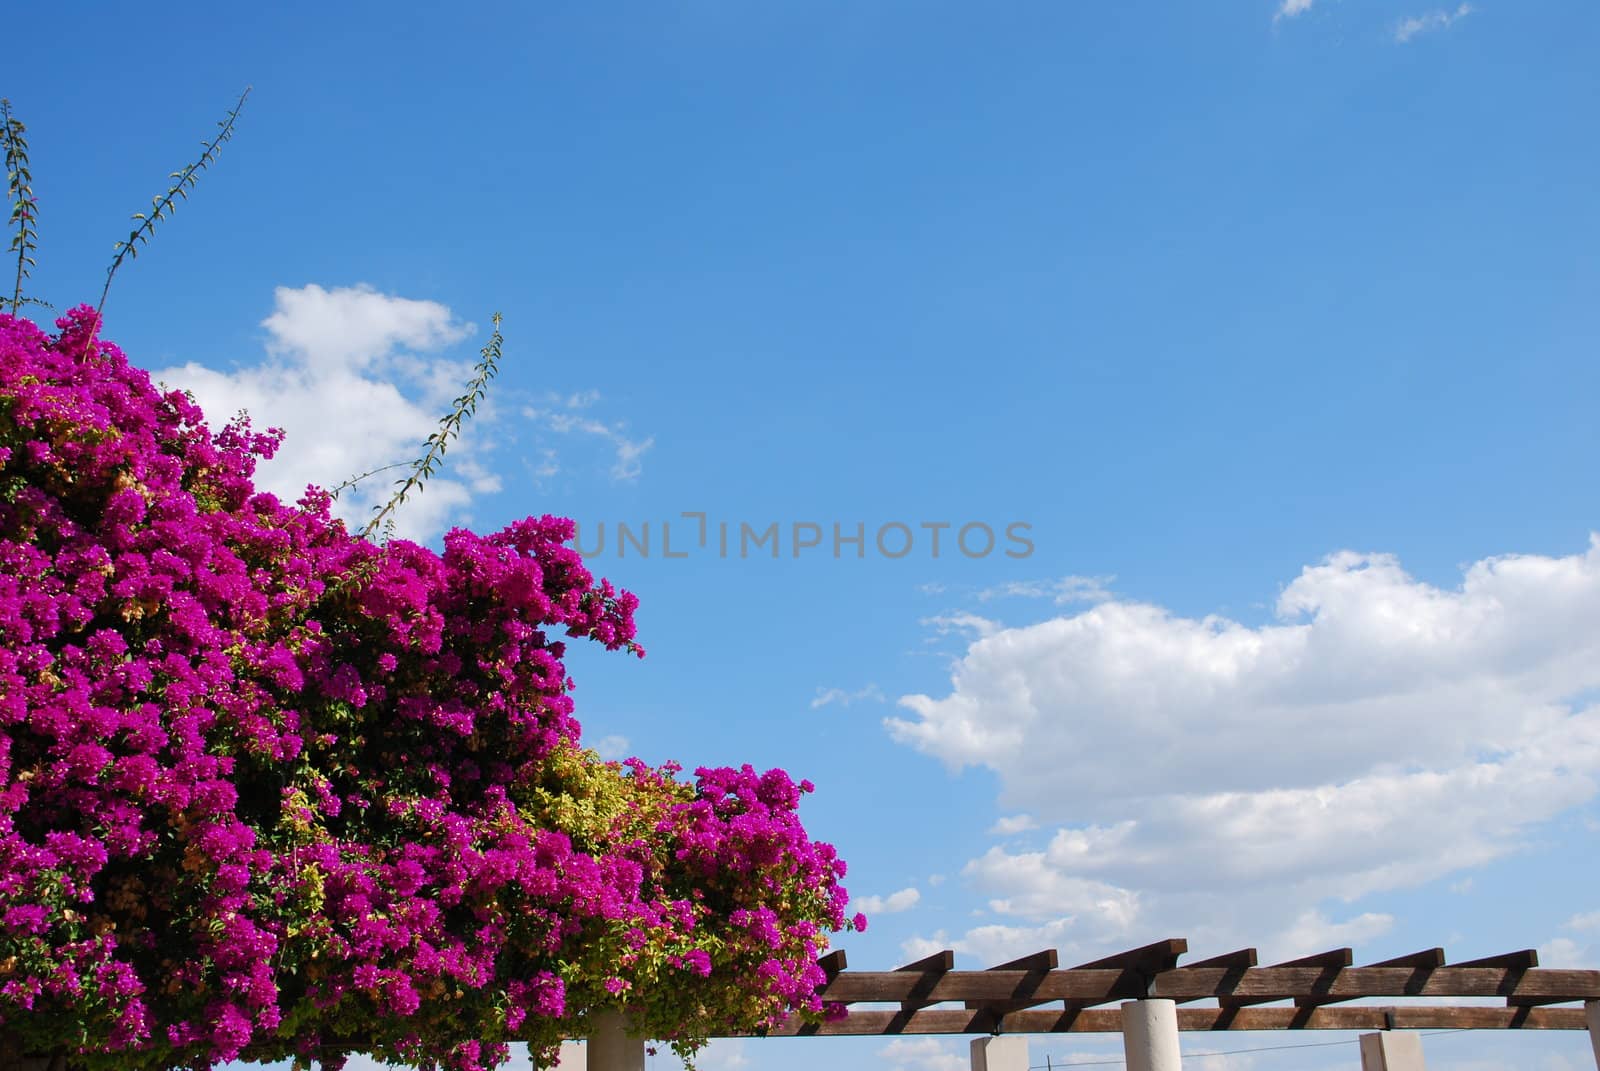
(1274, 322)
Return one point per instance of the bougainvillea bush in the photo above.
(268, 789)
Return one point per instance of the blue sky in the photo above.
(1274, 322)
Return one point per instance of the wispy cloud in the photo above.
(612, 747)
(830, 696)
(945, 624)
(1067, 589)
(1428, 23)
(567, 415)
(1290, 8)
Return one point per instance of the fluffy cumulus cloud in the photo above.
(357, 379)
(1195, 773)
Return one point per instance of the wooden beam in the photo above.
(833, 964)
(939, 962)
(1239, 961)
(1150, 959)
(930, 968)
(1035, 965)
(1335, 959)
(1524, 960)
(1254, 985)
(1244, 957)
(1426, 960)
(1109, 1020)
(1420, 963)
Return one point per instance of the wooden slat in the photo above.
(1151, 959)
(1244, 957)
(930, 968)
(1257, 984)
(1426, 960)
(1241, 960)
(1047, 960)
(1036, 965)
(833, 964)
(938, 963)
(1109, 1020)
(1335, 959)
(1524, 960)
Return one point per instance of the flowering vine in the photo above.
(268, 789)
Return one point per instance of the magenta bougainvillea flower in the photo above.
(268, 789)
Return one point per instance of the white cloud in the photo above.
(1290, 8)
(996, 942)
(925, 1054)
(829, 696)
(1382, 733)
(946, 624)
(345, 379)
(903, 900)
(1563, 953)
(1434, 20)
(723, 1054)
(1011, 825)
(1314, 932)
(564, 415)
(1589, 920)
(612, 747)
(1068, 589)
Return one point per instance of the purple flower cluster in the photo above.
(269, 789)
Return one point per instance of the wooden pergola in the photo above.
(1149, 996)
(1033, 995)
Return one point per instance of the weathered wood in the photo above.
(929, 968)
(1109, 1020)
(1160, 956)
(1256, 984)
(1239, 961)
(1329, 962)
(1526, 959)
(939, 962)
(1426, 960)
(1036, 965)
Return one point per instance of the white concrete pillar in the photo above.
(1392, 1050)
(1593, 1008)
(611, 1047)
(1150, 1035)
(1008, 1052)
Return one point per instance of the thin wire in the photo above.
(1050, 1066)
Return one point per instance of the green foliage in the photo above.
(24, 206)
(486, 369)
(163, 205)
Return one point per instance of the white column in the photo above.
(1150, 1035)
(611, 1047)
(1008, 1052)
(1593, 1008)
(1392, 1050)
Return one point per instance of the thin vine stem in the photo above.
(486, 369)
(165, 204)
(24, 206)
